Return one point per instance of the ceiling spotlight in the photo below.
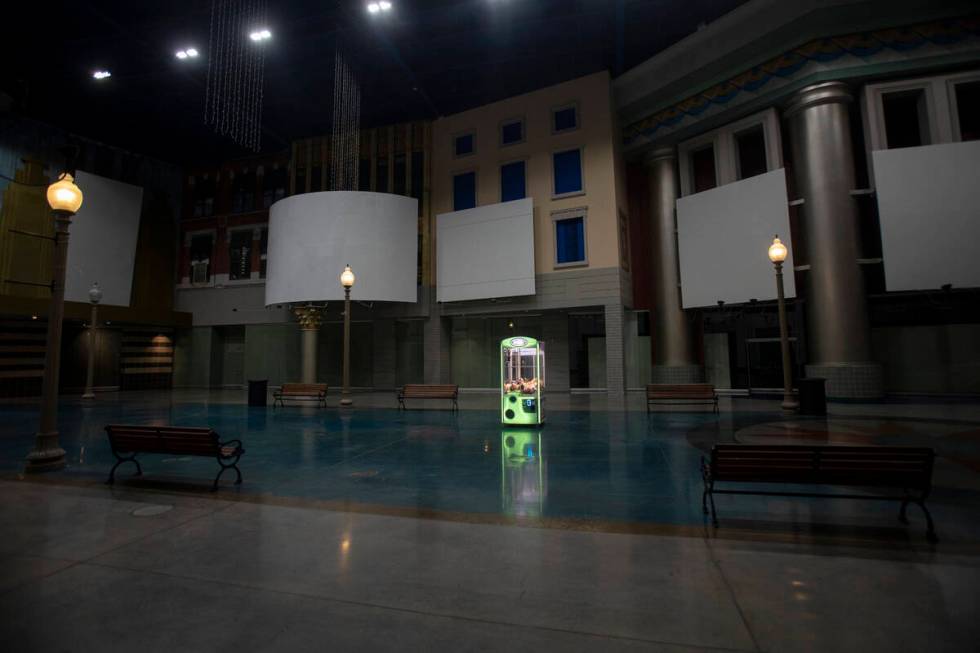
(182, 54)
(191, 52)
(260, 35)
(385, 6)
(101, 74)
(378, 7)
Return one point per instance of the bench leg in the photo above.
(224, 468)
(714, 513)
(120, 461)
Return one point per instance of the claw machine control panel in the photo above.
(521, 381)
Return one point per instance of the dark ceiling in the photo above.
(424, 59)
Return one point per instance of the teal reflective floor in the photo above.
(610, 465)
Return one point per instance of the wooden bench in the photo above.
(688, 393)
(908, 470)
(429, 391)
(128, 441)
(301, 392)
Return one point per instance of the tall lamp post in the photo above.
(94, 296)
(777, 254)
(347, 281)
(65, 198)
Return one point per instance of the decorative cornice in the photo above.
(792, 64)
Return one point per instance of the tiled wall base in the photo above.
(850, 380)
(677, 374)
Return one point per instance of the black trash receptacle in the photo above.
(813, 396)
(257, 392)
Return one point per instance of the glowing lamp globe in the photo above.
(777, 251)
(64, 195)
(347, 278)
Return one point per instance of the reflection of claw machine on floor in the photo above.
(523, 482)
(521, 381)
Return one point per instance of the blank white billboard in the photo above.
(314, 235)
(723, 238)
(485, 252)
(929, 208)
(102, 240)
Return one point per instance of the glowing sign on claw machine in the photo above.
(521, 381)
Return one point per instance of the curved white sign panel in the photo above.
(313, 235)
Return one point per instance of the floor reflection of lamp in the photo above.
(777, 254)
(347, 281)
(65, 198)
(94, 296)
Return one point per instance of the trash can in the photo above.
(257, 392)
(813, 396)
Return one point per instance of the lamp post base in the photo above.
(790, 405)
(46, 456)
(346, 402)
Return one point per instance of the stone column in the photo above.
(836, 311)
(673, 356)
(310, 318)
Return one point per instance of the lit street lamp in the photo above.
(777, 254)
(94, 296)
(65, 198)
(347, 281)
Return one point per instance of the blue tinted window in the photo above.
(464, 191)
(566, 118)
(568, 172)
(570, 240)
(512, 132)
(512, 186)
(464, 144)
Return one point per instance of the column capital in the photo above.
(662, 153)
(310, 318)
(816, 94)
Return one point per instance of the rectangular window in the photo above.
(382, 181)
(703, 169)
(200, 252)
(263, 249)
(364, 175)
(240, 255)
(906, 118)
(300, 180)
(624, 241)
(570, 241)
(643, 323)
(274, 186)
(567, 172)
(968, 110)
(512, 182)
(512, 132)
(564, 119)
(401, 171)
(464, 144)
(751, 147)
(464, 191)
(316, 179)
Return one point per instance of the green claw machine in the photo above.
(521, 381)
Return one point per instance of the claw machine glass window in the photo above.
(521, 381)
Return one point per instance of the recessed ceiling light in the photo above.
(378, 7)
(373, 8)
(191, 52)
(182, 54)
(385, 6)
(260, 35)
(101, 74)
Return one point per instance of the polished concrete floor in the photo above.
(376, 530)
